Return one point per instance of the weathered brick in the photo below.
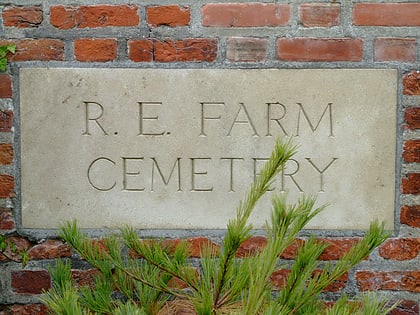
(246, 49)
(320, 14)
(30, 281)
(84, 277)
(7, 186)
(6, 154)
(411, 83)
(386, 14)
(66, 17)
(252, 246)
(140, 50)
(388, 280)
(412, 118)
(169, 15)
(411, 151)
(291, 251)
(19, 243)
(21, 17)
(245, 14)
(6, 120)
(320, 49)
(50, 249)
(411, 184)
(410, 215)
(406, 307)
(5, 86)
(337, 247)
(43, 49)
(195, 245)
(279, 280)
(191, 49)
(395, 49)
(400, 249)
(29, 309)
(7, 221)
(95, 49)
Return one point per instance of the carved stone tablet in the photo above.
(179, 148)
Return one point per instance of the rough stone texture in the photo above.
(31, 16)
(410, 215)
(99, 50)
(411, 83)
(320, 14)
(389, 280)
(395, 49)
(169, 15)
(50, 249)
(400, 249)
(5, 86)
(386, 14)
(246, 49)
(43, 49)
(30, 281)
(201, 171)
(243, 14)
(6, 154)
(66, 17)
(411, 151)
(320, 49)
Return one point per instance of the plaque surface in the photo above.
(179, 148)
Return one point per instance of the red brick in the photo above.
(6, 120)
(5, 86)
(400, 249)
(29, 309)
(245, 14)
(279, 280)
(50, 249)
(406, 307)
(291, 251)
(411, 151)
(386, 14)
(140, 50)
(66, 17)
(169, 15)
(195, 245)
(320, 14)
(246, 49)
(7, 186)
(395, 49)
(411, 184)
(84, 277)
(22, 16)
(388, 280)
(320, 49)
(30, 281)
(99, 50)
(252, 246)
(7, 221)
(37, 49)
(20, 244)
(411, 83)
(6, 154)
(337, 247)
(410, 215)
(191, 49)
(412, 118)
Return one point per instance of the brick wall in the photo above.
(217, 34)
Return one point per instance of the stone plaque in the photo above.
(179, 148)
